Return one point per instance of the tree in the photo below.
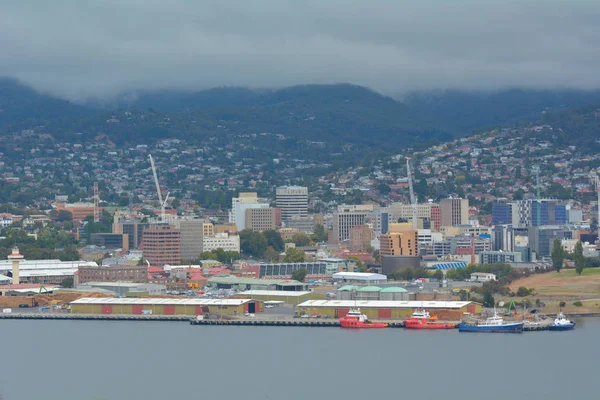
(579, 258)
(301, 239)
(274, 240)
(299, 274)
(67, 283)
(384, 189)
(253, 243)
(294, 255)
(377, 256)
(271, 254)
(361, 265)
(558, 255)
(319, 234)
(488, 299)
(439, 275)
(523, 291)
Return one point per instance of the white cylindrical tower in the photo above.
(16, 258)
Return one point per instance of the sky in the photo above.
(80, 49)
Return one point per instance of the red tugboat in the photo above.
(422, 320)
(355, 320)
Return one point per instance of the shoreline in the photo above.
(190, 318)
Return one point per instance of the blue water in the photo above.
(76, 360)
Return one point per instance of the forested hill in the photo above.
(471, 111)
(21, 104)
(579, 126)
(335, 114)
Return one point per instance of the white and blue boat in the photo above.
(492, 324)
(561, 323)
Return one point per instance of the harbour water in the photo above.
(81, 360)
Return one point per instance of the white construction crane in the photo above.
(413, 200)
(597, 182)
(160, 199)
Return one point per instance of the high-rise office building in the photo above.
(502, 214)
(261, 219)
(161, 245)
(293, 201)
(346, 217)
(221, 241)
(192, 231)
(454, 212)
(240, 204)
(428, 211)
(531, 212)
(541, 238)
(503, 238)
(360, 237)
(133, 228)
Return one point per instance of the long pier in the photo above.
(314, 323)
(94, 317)
(274, 322)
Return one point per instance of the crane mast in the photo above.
(413, 200)
(597, 181)
(160, 199)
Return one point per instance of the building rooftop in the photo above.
(450, 265)
(155, 301)
(347, 288)
(232, 280)
(45, 264)
(384, 304)
(393, 289)
(274, 293)
(362, 276)
(369, 289)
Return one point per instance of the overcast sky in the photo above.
(75, 50)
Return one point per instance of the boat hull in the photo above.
(362, 325)
(505, 328)
(558, 328)
(419, 324)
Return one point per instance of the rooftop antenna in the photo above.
(597, 182)
(413, 200)
(160, 199)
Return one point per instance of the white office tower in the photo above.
(293, 201)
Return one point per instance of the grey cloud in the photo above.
(77, 50)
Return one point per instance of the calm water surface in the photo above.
(78, 360)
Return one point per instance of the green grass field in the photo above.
(586, 272)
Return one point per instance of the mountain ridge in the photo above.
(338, 113)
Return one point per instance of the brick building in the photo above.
(161, 244)
(136, 274)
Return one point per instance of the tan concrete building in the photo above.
(288, 233)
(230, 229)
(346, 217)
(360, 237)
(402, 240)
(429, 211)
(192, 232)
(261, 219)
(454, 212)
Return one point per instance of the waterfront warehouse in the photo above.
(445, 310)
(288, 297)
(157, 306)
(232, 282)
